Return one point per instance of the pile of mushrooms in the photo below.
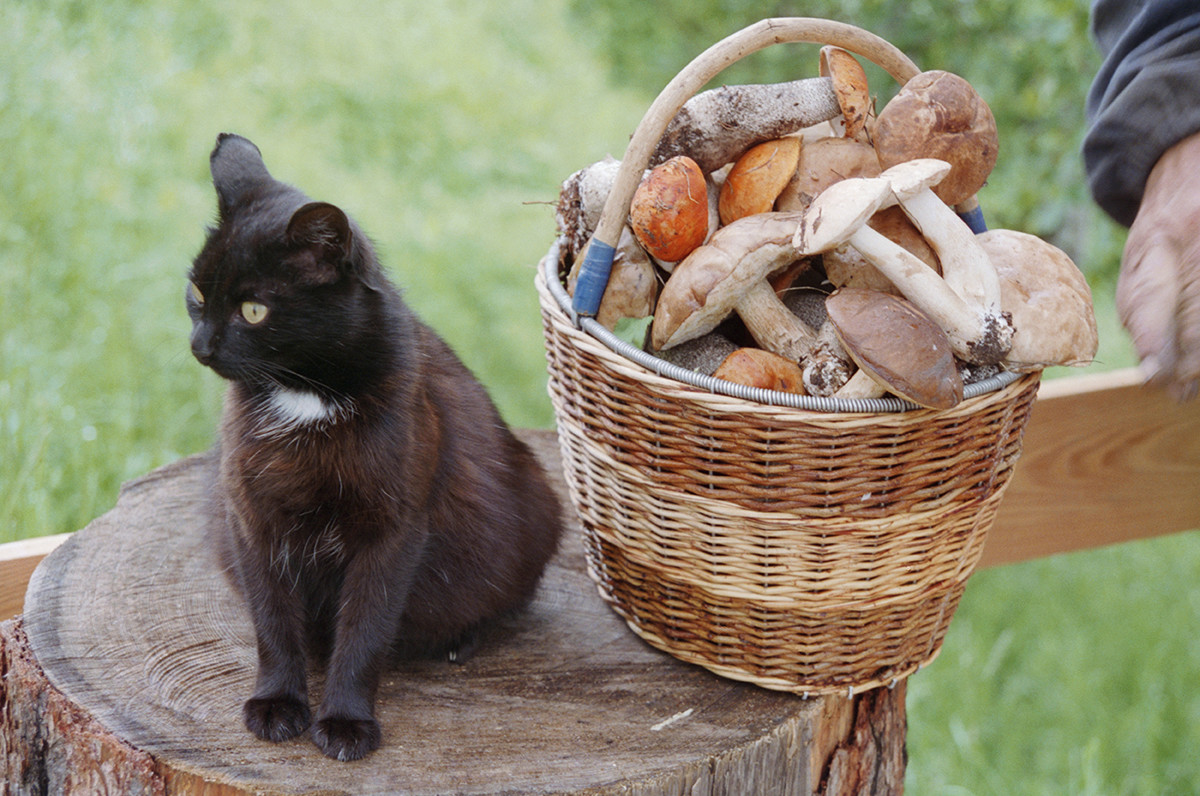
(788, 237)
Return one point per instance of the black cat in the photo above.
(369, 498)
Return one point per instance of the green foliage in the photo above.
(435, 125)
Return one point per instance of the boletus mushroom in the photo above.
(1048, 297)
(897, 345)
(717, 125)
(938, 114)
(669, 211)
(757, 178)
(730, 274)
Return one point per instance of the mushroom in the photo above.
(827, 366)
(896, 345)
(669, 211)
(938, 114)
(581, 201)
(755, 367)
(822, 163)
(632, 285)
(849, 86)
(1050, 301)
(729, 274)
(838, 216)
(965, 266)
(757, 178)
(717, 125)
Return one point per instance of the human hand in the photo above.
(1158, 290)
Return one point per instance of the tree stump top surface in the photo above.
(132, 620)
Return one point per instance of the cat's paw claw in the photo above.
(346, 739)
(276, 719)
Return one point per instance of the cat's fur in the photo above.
(369, 498)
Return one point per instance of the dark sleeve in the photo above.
(1145, 98)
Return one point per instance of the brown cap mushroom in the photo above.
(939, 115)
(728, 274)
(1050, 301)
(757, 178)
(822, 163)
(755, 367)
(669, 211)
(897, 345)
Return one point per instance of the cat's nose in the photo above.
(203, 345)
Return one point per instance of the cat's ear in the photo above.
(323, 231)
(237, 168)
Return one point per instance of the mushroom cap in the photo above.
(757, 178)
(1049, 300)
(913, 176)
(822, 163)
(939, 115)
(669, 211)
(838, 212)
(849, 86)
(897, 345)
(706, 286)
(755, 367)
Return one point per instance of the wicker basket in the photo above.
(764, 536)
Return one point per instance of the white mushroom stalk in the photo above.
(965, 265)
(979, 332)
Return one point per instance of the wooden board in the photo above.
(133, 624)
(1104, 460)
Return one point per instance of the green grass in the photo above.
(445, 129)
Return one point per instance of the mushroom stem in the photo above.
(975, 335)
(827, 367)
(965, 265)
(861, 385)
(772, 325)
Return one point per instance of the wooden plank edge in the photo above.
(17, 561)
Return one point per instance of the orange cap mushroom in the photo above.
(757, 178)
(669, 212)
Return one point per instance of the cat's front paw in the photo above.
(276, 719)
(347, 739)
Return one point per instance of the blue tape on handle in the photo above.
(974, 220)
(593, 278)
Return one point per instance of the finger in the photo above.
(1146, 297)
(1185, 379)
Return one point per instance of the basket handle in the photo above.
(593, 274)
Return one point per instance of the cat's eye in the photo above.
(254, 312)
(195, 293)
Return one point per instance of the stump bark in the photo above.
(127, 672)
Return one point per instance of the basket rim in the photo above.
(548, 273)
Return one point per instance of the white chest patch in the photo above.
(292, 410)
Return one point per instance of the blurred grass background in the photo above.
(445, 129)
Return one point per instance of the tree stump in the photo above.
(127, 672)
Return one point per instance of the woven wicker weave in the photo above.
(806, 551)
